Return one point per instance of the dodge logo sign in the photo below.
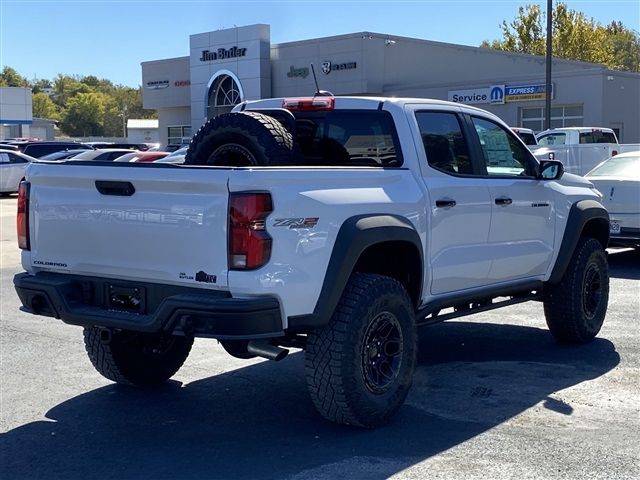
(326, 67)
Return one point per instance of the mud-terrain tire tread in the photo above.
(113, 361)
(563, 307)
(331, 356)
(268, 140)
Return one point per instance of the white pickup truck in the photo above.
(334, 225)
(580, 149)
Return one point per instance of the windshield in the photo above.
(553, 139)
(625, 167)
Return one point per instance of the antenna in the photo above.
(319, 93)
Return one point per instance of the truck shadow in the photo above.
(625, 264)
(258, 422)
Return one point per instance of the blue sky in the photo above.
(109, 39)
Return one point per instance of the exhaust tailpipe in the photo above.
(266, 350)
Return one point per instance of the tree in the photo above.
(10, 78)
(84, 115)
(43, 107)
(575, 37)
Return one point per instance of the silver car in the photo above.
(12, 166)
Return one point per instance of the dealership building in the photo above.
(226, 67)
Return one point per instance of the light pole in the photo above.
(547, 103)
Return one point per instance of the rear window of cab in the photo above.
(347, 138)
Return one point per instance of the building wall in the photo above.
(16, 108)
(143, 135)
(166, 83)
(378, 64)
(252, 68)
(621, 105)
(346, 74)
(171, 117)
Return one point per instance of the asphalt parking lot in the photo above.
(493, 397)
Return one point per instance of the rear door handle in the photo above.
(445, 203)
(118, 189)
(504, 201)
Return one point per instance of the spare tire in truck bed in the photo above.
(241, 139)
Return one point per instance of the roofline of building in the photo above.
(163, 60)
(384, 36)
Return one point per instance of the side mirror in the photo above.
(550, 170)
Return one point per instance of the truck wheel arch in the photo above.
(360, 241)
(586, 218)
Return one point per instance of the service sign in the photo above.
(470, 96)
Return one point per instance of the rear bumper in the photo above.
(628, 237)
(79, 300)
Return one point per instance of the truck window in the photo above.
(444, 144)
(503, 154)
(527, 138)
(586, 137)
(348, 138)
(604, 137)
(553, 139)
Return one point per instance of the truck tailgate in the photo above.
(171, 229)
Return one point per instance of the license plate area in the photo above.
(614, 227)
(126, 298)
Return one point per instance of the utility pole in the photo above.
(123, 114)
(547, 103)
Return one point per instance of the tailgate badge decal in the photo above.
(205, 277)
(296, 223)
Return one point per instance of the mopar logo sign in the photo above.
(497, 93)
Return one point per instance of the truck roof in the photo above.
(577, 129)
(351, 102)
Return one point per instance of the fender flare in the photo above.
(356, 234)
(580, 214)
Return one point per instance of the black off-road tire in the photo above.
(240, 140)
(576, 306)
(340, 357)
(131, 358)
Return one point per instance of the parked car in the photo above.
(8, 146)
(142, 157)
(579, 149)
(526, 135)
(618, 179)
(142, 147)
(40, 149)
(63, 154)
(12, 166)
(174, 157)
(172, 147)
(576, 136)
(102, 155)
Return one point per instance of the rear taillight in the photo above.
(249, 242)
(23, 215)
(309, 104)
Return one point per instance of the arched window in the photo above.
(224, 93)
